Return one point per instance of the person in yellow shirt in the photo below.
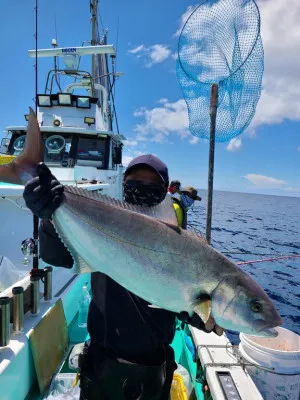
(188, 196)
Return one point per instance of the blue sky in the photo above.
(151, 111)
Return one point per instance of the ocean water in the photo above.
(259, 224)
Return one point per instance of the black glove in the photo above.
(197, 322)
(43, 194)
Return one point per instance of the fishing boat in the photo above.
(39, 317)
(76, 122)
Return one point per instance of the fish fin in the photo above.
(23, 167)
(203, 309)
(81, 267)
(163, 212)
(154, 306)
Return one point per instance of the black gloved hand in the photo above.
(43, 194)
(196, 322)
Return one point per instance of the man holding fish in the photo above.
(121, 325)
(143, 259)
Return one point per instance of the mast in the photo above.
(94, 10)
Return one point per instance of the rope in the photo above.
(250, 253)
(268, 259)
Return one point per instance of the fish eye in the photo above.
(256, 306)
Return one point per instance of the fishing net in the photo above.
(220, 43)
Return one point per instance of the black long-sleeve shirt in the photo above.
(118, 320)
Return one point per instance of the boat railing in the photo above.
(82, 75)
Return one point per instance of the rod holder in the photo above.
(48, 283)
(18, 309)
(35, 294)
(4, 321)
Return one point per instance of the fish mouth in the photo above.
(269, 330)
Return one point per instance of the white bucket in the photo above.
(282, 355)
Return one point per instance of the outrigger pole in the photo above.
(213, 117)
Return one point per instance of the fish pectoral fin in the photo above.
(154, 306)
(203, 309)
(81, 267)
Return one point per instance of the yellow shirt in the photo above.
(179, 214)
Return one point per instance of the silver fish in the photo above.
(142, 249)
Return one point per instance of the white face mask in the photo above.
(187, 201)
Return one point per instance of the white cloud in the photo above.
(154, 54)
(159, 122)
(298, 148)
(158, 53)
(184, 17)
(130, 154)
(194, 140)
(138, 153)
(130, 143)
(163, 100)
(234, 144)
(136, 49)
(264, 181)
(126, 160)
(280, 31)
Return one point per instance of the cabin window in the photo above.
(91, 152)
(18, 145)
(57, 149)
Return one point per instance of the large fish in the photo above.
(143, 250)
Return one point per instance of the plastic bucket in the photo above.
(281, 357)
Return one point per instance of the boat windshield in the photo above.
(68, 150)
(90, 152)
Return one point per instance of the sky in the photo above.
(152, 113)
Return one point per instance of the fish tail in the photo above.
(23, 167)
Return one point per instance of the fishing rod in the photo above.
(29, 247)
(35, 258)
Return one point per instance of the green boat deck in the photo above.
(183, 356)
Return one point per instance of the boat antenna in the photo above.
(94, 10)
(117, 45)
(56, 59)
(101, 22)
(35, 258)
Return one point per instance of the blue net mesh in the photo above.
(221, 43)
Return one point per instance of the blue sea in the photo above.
(259, 224)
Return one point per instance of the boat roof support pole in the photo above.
(213, 117)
